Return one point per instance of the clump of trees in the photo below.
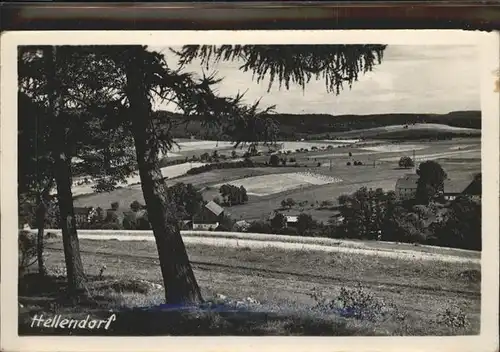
(406, 162)
(274, 160)
(430, 184)
(288, 203)
(233, 195)
(375, 214)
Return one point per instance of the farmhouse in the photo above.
(209, 217)
(82, 215)
(454, 188)
(406, 186)
(241, 226)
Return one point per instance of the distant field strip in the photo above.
(167, 171)
(437, 155)
(253, 241)
(391, 148)
(275, 183)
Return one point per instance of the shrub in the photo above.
(348, 163)
(136, 206)
(406, 162)
(292, 160)
(355, 303)
(259, 227)
(50, 235)
(453, 318)
(112, 226)
(115, 205)
(27, 245)
(274, 160)
(289, 231)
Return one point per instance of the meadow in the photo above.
(278, 292)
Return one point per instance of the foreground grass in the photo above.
(294, 289)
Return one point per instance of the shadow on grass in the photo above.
(196, 322)
(47, 296)
(48, 293)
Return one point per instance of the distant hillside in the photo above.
(293, 126)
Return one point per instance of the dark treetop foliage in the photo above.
(295, 64)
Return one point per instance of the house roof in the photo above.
(292, 218)
(474, 188)
(242, 223)
(407, 181)
(214, 208)
(81, 211)
(456, 186)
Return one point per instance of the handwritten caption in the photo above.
(58, 321)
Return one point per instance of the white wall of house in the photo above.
(205, 226)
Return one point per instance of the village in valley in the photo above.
(277, 180)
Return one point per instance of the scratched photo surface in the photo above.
(255, 190)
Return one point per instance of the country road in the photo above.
(266, 241)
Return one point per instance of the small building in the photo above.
(471, 188)
(406, 186)
(83, 215)
(209, 217)
(241, 226)
(291, 220)
(453, 188)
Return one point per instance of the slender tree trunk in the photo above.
(40, 225)
(62, 172)
(178, 277)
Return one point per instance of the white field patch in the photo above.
(293, 146)
(195, 145)
(460, 147)
(167, 171)
(265, 185)
(394, 148)
(201, 145)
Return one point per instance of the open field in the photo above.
(285, 283)
(276, 183)
(406, 131)
(268, 186)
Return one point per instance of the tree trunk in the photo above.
(178, 277)
(40, 225)
(62, 172)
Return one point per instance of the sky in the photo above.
(410, 79)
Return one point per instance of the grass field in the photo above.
(291, 288)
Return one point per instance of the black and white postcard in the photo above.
(253, 184)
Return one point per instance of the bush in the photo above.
(274, 160)
(115, 205)
(348, 163)
(289, 231)
(259, 227)
(136, 206)
(112, 226)
(453, 318)
(355, 303)
(27, 245)
(406, 162)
